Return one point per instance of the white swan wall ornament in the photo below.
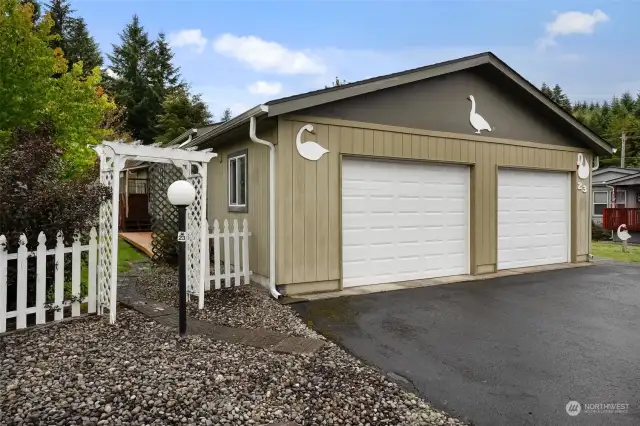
(476, 120)
(309, 150)
(583, 167)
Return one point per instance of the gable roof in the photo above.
(622, 179)
(626, 170)
(318, 97)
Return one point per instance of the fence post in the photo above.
(245, 250)
(75, 275)
(236, 253)
(59, 278)
(93, 260)
(207, 260)
(21, 290)
(216, 253)
(41, 279)
(3, 284)
(227, 256)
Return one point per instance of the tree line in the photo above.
(608, 119)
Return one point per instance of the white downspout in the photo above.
(272, 206)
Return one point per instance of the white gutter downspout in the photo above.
(272, 207)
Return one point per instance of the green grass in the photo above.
(614, 251)
(127, 253)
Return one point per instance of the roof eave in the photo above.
(235, 122)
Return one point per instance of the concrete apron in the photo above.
(378, 288)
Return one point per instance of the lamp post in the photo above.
(181, 194)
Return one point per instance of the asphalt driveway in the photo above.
(507, 351)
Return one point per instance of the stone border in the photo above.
(257, 338)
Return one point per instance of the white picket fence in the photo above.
(42, 305)
(231, 249)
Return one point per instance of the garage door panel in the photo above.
(533, 218)
(415, 216)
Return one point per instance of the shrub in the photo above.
(598, 233)
(37, 197)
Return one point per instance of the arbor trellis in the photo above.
(193, 165)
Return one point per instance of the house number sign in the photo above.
(582, 187)
(182, 236)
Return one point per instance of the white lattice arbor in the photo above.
(193, 165)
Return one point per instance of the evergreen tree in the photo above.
(561, 98)
(73, 37)
(130, 85)
(79, 46)
(226, 115)
(181, 113)
(164, 80)
(546, 90)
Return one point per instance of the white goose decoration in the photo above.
(622, 233)
(476, 119)
(309, 150)
(583, 167)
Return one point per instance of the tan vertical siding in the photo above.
(258, 191)
(309, 192)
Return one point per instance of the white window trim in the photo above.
(235, 158)
(606, 204)
(621, 191)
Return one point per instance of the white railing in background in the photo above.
(58, 303)
(230, 249)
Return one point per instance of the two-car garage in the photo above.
(404, 220)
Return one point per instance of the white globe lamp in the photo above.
(181, 193)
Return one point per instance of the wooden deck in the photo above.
(140, 240)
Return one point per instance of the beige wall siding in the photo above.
(258, 191)
(308, 205)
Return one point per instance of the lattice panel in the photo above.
(105, 239)
(194, 227)
(164, 215)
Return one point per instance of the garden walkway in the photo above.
(129, 296)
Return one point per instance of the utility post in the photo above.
(623, 149)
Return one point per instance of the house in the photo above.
(621, 206)
(457, 168)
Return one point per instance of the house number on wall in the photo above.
(582, 187)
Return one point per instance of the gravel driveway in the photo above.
(87, 372)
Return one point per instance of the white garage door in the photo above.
(533, 218)
(403, 221)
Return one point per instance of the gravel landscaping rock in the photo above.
(87, 372)
(246, 306)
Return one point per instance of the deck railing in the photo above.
(612, 218)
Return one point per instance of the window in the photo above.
(238, 182)
(621, 198)
(599, 202)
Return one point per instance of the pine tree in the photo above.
(164, 80)
(80, 46)
(561, 98)
(162, 73)
(130, 85)
(74, 38)
(181, 113)
(546, 90)
(226, 115)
